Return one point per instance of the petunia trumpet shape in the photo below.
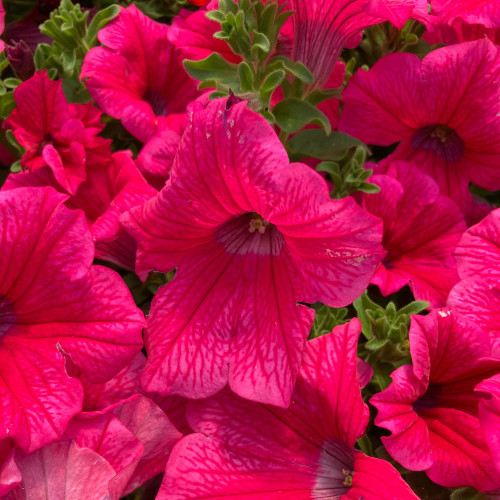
(243, 449)
(444, 111)
(250, 235)
(421, 230)
(431, 408)
(124, 81)
(54, 133)
(323, 29)
(56, 311)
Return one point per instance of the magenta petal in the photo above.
(122, 386)
(421, 230)
(125, 85)
(478, 253)
(337, 244)
(38, 397)
(112, 440)
(399, 11)
(478, 300)
(409, 442)
(260, 363)
(153, 429)
(489, 415)
(455, 140)
(247, 450)
(461, 455)
(432, 409)
(63, 470)
(234, 207)
(58, 316)
(96, 323)
(58, 237)
(376, 479)
(10, 475)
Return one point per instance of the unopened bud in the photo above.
(20, 58)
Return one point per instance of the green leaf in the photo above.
(415, 307)
(368, 188)
(376, 344)
(213, 67)
(293, 114)
(321, 95)
(272, 81)
(215, 15)
(12, 83)
(314, 143)
(261, 42)
(11, 139)
(326, 319)
(467, 493)
(362, 305)
(227, 6)
(246, 77)
(297, 69)
(98, 22)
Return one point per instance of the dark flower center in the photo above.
(337, 469)
(156, 101)
(7, 316)
(440, 139)
(250, 233)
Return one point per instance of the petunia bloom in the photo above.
(421, 230)
(323, 29)
(111, 452)
(477, 296)
(457, 21)
(55, 310)
(489, 415)
(478, 253)
(123, 81)
(248, 450)
(444, 111)
(431, 408)
(251, 236)
(54, 133)
(113, 185)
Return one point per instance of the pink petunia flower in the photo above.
(478, 253)
(156, 158)
(421, 230)
(489, 415)
(431, 408)
(113, 185)
(55, 309)
(477, 296)
(250, 236)
(444, 111)
(123, 385)
(54, 133)
(101, 455)
(323, 29)
(478, 300)
(457, 21)
(126, 84)
(193, 35)
(247, 450)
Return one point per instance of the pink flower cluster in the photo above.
(218, 388)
